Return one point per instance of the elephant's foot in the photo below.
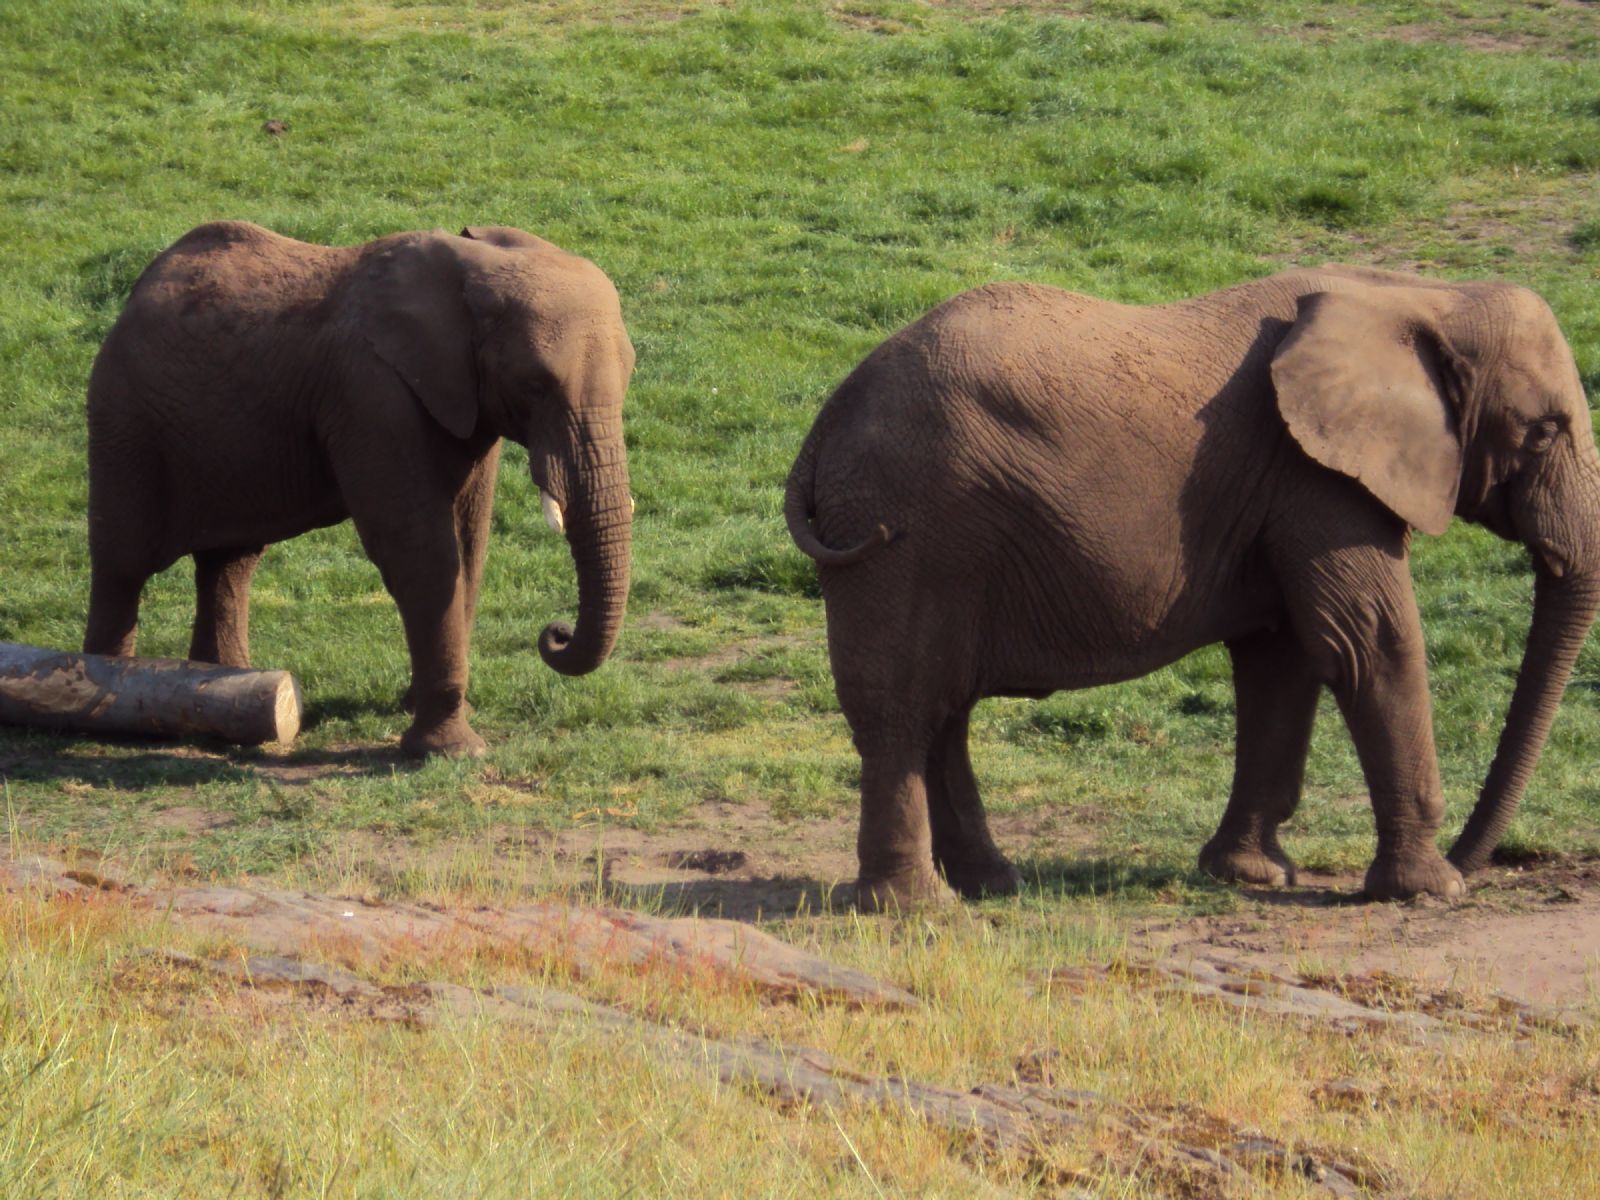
(1401, 878)
(974, 879)
(451, 739)
(905, 892)
(1241, 862)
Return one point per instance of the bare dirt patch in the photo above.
(1529, 933)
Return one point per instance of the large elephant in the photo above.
(1029, 490)
(255, 387)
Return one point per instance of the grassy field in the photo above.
(774, 188)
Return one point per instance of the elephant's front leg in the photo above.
(1275, 692)
(421, 567)
(1391, 723)
(222, 605)
(962, 847)
(1356, 614)
(474, 509)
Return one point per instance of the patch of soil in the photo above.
(1529, 933)
(1533, 217)
(712, 862)
(658, 620)
(718, 665)
(188, 819)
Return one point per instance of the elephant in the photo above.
(1030, 490)
(255, 387)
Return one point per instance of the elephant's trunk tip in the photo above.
(555, 641)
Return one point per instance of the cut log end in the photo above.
(286, 710)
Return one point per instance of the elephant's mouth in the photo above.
(1550, 560)
(1494, 514)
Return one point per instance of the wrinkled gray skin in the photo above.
(1029, 490)
(256, 387)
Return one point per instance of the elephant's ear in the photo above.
(1369, 387)
(416, 317)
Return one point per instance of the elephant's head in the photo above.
(499, 333)
(1462, 399)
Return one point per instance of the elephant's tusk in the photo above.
(632, 506)
(552, 514)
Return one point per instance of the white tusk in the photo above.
(632, 506)
(552, 514)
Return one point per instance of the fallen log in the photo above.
(148, 697)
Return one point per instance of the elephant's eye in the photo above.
(1541, 435)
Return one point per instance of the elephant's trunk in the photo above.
(1563, 609)
(598, 521)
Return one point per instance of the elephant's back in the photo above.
(210, 310)
(232, 271)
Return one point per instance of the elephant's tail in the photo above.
(797, 509)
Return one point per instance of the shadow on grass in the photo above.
(349, 708)
(1093, 877)
(781, 897)
(777, 898)
(1102, 877)
(1307, 895)
(135, 764)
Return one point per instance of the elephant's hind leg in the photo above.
(222, 605)
(963, 850)
(1276, 691)
(894, 845)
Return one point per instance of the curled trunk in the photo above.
(599, 530)
(1563, 610)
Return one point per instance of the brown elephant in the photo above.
(1034, 490)
(255, 387)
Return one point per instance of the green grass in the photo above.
(774, 188)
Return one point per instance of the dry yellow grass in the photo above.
(125, 1075)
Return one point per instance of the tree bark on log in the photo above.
(147, 697)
